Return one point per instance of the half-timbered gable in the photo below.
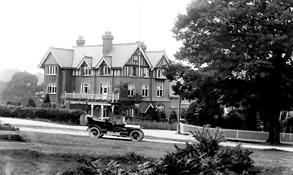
(137, 65)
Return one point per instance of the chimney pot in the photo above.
(80, 41)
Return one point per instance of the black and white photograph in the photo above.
(146, 87)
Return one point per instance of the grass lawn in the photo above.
(48, 153)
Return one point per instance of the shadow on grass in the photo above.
(13, 137)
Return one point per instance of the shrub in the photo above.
(54, 115)
(149, 124)
(31, 103)
(207, 157)
(173, 117)
(204, 157)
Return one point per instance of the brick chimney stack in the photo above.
(107, 42)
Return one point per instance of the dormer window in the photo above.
(106, 70)
(85, 71)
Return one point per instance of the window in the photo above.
(135, 59)
(130, 90)
(51, 88)
(116, 72)
(160, 90)
(106, 70)
(160, 73)
(103, 88)
(145, 90)
(145, 72)
(133, 71)
(85, 71)
(51, 70)
(85, 88)
(129, 71)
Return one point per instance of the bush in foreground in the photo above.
(204, 157)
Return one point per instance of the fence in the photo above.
(241, 135)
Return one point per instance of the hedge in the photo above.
(50, 114)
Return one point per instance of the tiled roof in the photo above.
(93, 54)
(94, 51)
(155, 56)
(121, 53)
(63, 56)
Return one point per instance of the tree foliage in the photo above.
(246, 47)
(31, 103)
(20, 88)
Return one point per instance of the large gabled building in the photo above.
(100, 77)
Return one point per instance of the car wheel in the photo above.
(95, 132)
(136, 135)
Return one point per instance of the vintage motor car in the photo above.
(98, 127)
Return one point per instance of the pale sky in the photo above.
(29, 27)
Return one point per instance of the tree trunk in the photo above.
(274, 128)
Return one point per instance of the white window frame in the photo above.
(85, 71)
(106, 70)
(51, 70)
(51, 88)
(145, 90)
(146, 72)
(103, 87)
(160, 90)
(82, 89)
(116, 72)
(131, 90)
(159, 73)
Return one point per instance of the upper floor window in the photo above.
(160, 73)
(133, 71)
(135, 59)
(85, 88)
(85, 71)
(145, 72)
(51, 70)
(51, 88)
(145, 90)
(160, 90)
(116, 72)
(131, 90)
(105, 70)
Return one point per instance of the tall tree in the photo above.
(246, 47)
(20, 88)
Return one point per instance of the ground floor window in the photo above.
(130, 112)
(130, 90)
(51, 88)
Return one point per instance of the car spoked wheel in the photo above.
(136, 135)
(95, 132)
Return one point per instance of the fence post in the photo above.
(237, 135)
